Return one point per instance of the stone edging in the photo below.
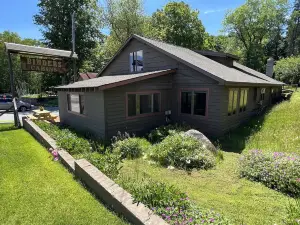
(106, 189)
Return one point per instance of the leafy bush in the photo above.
(66, 138)
(280, 171)
(293, 215)
(167, 201)
(160, 133)
(131, 147)
(182, 151)
(288, 70)
(108, 163)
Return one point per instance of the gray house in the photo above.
(148, 83)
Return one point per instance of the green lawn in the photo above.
(36, 190)
(240, 200)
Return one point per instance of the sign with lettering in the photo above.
(43, 65)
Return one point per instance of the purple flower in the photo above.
(212, 220)
(191, 220)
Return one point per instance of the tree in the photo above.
(24, 81)
(124, 18)
(288, 70)
(293, 35)
(55, 18)
(178, 24)
(253, 24)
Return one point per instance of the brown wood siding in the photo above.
(93, 121)
(115, 107)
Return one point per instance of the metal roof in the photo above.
(18, 48)
(107, 82)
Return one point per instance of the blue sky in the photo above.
(17, 15)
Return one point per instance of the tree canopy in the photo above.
(288, 70)
(178, 24)
(54, 17)
(254, 24)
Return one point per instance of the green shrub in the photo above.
(131, 147)
(170, 203)
(182, 151)
(280, 171)
(65, 138)
(108, 163)
(160, 133)
(293, 215)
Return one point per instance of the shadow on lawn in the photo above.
(235, 140)
(7, 127)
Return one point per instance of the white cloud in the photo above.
(214, 11)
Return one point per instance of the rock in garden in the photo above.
(202, 139)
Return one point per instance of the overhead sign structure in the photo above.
(43, 65)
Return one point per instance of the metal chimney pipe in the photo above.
(270, 67)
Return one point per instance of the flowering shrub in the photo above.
(280, 171)
(160, 133)
(182, 151)
(131, 147)
(172, 205)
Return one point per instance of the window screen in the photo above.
(143, 104)
(186, 102)
(199, 103)
(232, 101)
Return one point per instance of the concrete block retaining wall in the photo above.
(105, 188)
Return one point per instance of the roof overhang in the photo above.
(243, 84)
(115, 84)
(38, 51)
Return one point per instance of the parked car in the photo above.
(6, 103)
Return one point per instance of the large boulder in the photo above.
(202, 139)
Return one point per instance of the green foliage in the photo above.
(293, 34)
(131, 148)
(253, 25)
(170, 203)
(293, 213)
(277, 170)
(183, 152)
(178, 24)
(26, 82)
(66, 138)
(55, 18)
(288, 70)
(160, 133)
(107, 163)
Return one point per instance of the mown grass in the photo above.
(36, 190)
(221, 189)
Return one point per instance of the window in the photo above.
(255, 94)
(262, 94)
(136, 61)
(232, 101)
(199, 103)
(76, 103)
(193, 102)
(139, 104)
(243, 99)
(186, 102)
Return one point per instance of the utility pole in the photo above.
(73, 45)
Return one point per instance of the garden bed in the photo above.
(218, 189)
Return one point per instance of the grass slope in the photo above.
(36, 190)
(240, 200)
